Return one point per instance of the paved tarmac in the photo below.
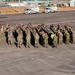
(51, 18)
(38, 61)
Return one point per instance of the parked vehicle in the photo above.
(33, 10)
(50, 9)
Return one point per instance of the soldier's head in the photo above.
(42, 24)
(37, 23)
(67, 24)
(16, 25)
(58, 30)
(26, 28)
(52, 25)
(7, 26)
(19, 28)
(21, 24)
(29, 24)
(58, 25)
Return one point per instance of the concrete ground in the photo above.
(38, 61)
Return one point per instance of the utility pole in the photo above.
(19, 7)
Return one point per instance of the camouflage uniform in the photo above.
(60, 37)
(45, 39)
(67, 37)
(28, 37)
(73, 37)
(19, 37)
(55, 41)
(10, 37)
(36, 37)
(1, 34)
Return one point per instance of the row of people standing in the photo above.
(39, 34)
(64, 33)
(26, 34)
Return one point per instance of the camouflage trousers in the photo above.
(27, 42)
(10, 41)
(20, 41)
(45, 42)
(55, 43)
(67, 41)
(60, 41)
(73, 40)
(36, 42)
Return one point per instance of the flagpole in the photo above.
(19, 7)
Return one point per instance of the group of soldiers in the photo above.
(38, 34)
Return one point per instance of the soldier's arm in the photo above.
(31, 30)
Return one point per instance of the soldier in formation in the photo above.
(1, 34)
(36, 38)
(45, 39)
(19, 37)
(60, 37)
(55, 41)
(9, 34)
(10, 37)
(28, 37)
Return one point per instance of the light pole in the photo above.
(19, 7)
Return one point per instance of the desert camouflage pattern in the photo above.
(37, 34)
